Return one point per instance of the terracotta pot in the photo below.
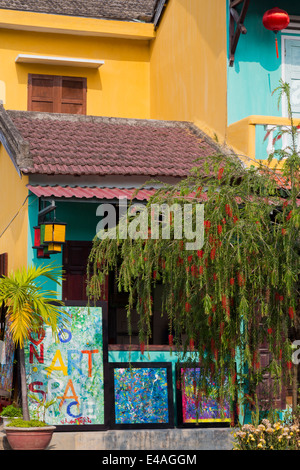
(29, 438)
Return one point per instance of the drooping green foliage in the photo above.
(240, 290)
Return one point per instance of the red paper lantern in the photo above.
(275, 20)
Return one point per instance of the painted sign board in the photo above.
(69, 372)
(7, 352)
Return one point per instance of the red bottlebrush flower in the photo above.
(200, 253)
(163, 264)
(270, 331)
(224, 301)
(192, 344)
(213, 254)
(235, 219)
(241, 280)
(291, 313)
(209, 320)
(228, 210)
(285, 204)
(220, 229)
(289, 215)
(283, 231)
(215, 276)
(142, 347)
(187, 307)
(281, 298)
(289, 365)
(214, 308)
(170, 340)
(220, 173)
(280, 354)
(194, 386)
(231, 281)
(154, 274)
(224, 221)
(207, 224)
(194, 270)
(180, 261)
(200, 269)
(190, 258)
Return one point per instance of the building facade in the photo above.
(96, 101)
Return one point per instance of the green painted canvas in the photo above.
(69, 372)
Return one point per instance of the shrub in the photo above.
(20, 423)
(267, 436)
(11, 411)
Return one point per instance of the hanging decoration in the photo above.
(49, 238)
(275, 20)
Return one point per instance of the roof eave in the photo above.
(74, 25)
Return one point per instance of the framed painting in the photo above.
(70, 373)
(7, 354)
(141, 395)
(196, 407)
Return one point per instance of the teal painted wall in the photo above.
(256, 70)
(81, 221)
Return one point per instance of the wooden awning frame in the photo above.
(236, 26)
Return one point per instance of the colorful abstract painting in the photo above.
(7, 351)
(69, 371)
(197, 407)
(141, 395)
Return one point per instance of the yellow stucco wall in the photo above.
(119, 88)
(188, 65)
(12, 196)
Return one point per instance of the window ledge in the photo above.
(50, 60)
(136, 347)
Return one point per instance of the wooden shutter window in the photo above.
(57, 94)
(3, 264)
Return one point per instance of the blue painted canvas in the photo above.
(141, 395)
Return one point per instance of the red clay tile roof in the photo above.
(88, 145)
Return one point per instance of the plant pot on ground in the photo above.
(29, 435)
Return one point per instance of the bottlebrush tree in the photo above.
(237, 292)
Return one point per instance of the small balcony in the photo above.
(254, 137)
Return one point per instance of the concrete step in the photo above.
(142, 439)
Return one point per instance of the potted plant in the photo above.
(28, 307)
(9, 413)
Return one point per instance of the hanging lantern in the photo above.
(53, 232)
(275, 20)
(52, 237)
(37, 243)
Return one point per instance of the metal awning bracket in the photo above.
(236, 26)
